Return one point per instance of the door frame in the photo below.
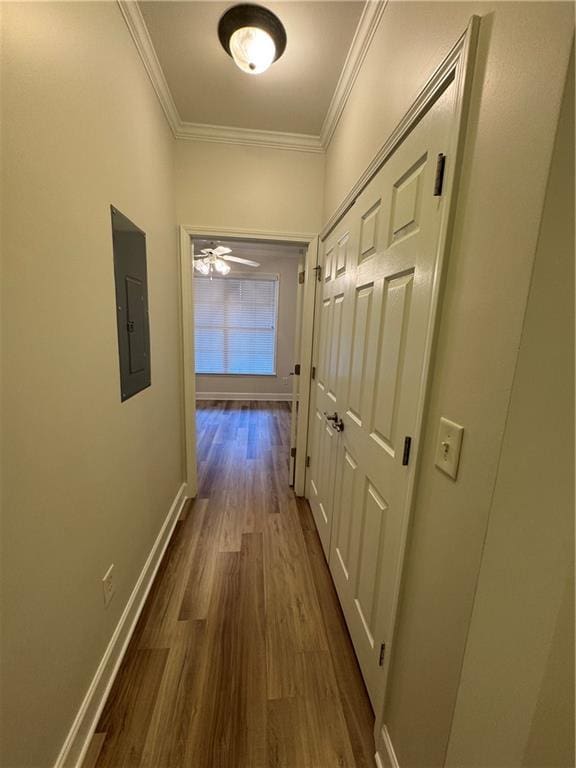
(304, 239)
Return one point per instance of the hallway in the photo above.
(241, 658)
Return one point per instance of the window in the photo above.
(235, 325)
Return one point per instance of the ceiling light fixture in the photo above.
(253, 36)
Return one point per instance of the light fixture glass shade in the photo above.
(252, 49)
(221, 267)
(202, 266)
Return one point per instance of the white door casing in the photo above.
(187, 233)
(188, 366)
(296, 377)
(308, 292)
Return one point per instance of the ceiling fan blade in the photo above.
(241, 261)
(221, 250)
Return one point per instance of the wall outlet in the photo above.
(108, 585)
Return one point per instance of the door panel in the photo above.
(373, 525)
(335, 341)
(374, 323)
(362, 315)
(390, 355)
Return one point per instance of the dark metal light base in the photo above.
(248, 15)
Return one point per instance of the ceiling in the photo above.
(292, 96)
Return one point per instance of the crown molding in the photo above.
(141, 37)
(249, 137)
(369, 20)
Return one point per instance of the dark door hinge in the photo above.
(318, 271)
(301, 276)
(307, 461)
(297, 369)
(406, 454)
(382, 654)
(313, 371)
(439, 180)
(293, 452)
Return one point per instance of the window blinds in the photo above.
(235, 325)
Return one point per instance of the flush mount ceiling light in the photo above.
(253, 36)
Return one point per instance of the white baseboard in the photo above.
(388, 758)
(268, 396)
(78, 740)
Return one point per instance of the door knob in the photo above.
(338, 423)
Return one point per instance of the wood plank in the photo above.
(219, 736)
(167, 737)
(129, 708)
(94, 750)
(353, 695)
(164, 602)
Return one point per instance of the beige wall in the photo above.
(281, 384)
(516, 700)
(88, 481)
(522, 59)
(248, 188)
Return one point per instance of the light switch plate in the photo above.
(448, 447)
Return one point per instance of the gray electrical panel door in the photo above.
(131, 305)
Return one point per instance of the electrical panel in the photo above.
(129, 244)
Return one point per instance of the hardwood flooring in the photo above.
(241, 657)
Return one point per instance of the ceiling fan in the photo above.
(214, 260)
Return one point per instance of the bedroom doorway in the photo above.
(247, 325)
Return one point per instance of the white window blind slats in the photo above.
(235, 325)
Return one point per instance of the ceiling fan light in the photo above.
(221, 267)
(252, 49)
(202, 266)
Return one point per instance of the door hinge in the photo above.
(297, 369)
(318, 271)
(406, 454)
(307, 461)
(301, 276)
(382, 654)
(313, 371)
(439, 180)
(293, 452)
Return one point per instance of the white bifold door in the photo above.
(373, 334)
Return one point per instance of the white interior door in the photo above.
(375, 328)
(326, 396)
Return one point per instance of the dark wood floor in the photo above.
(241, 658)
